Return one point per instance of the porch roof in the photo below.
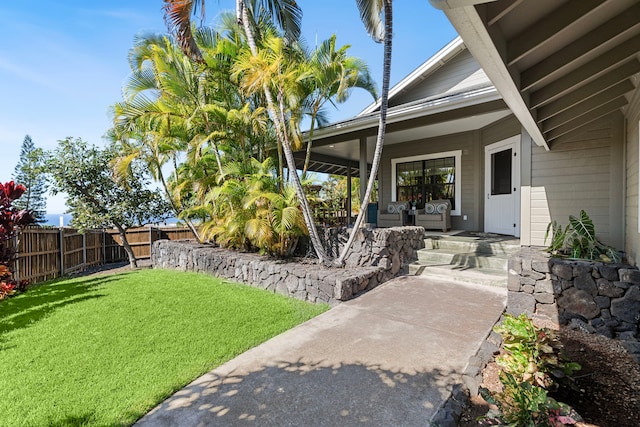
(337, 145)
(559, 65)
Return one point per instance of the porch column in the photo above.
(363, 172)
(348, 205)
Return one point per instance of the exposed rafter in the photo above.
(542, 31)
(613, 77)
(566, 55)
(500, 8)
(592, 115)
(587, 72)
(587, 105)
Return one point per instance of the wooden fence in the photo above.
(46, 253)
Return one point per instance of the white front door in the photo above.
(502, 187)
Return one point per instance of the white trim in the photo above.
(513, 142)
(469, 25)
(458, 184)
(414, 110)
(425, 69)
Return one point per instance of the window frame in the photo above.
(457, 154)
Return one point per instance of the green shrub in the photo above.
(531, 366)
(578, 240)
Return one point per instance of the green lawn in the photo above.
(104, 350)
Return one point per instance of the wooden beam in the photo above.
(500, 8)
(609, 79)
(587, 72)
(587, 105)
(601, 111)
(566, 55)
(543, 30)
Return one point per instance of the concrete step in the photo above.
(438, 257)
(468, 244)
(484, 277)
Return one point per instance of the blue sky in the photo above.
(62, 64)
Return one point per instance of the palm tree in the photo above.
(334, 74)
(370, 13)
(287, 15)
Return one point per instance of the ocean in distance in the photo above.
(57, 220)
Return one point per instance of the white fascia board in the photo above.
(397, 114)
(472, 30)
(427, 68)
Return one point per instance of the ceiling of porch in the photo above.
(559, 64)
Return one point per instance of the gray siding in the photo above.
(459, 73)
(632, 233)
(469, 143)
(581, 172)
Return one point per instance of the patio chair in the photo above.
(435, 215)
(393, 216)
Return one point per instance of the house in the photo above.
(531, 115)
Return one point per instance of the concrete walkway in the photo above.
(388, 358)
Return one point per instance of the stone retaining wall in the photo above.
(605, 297)
(377, 256)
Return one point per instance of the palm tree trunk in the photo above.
(286, 147)
(384, 103)
(307, 157)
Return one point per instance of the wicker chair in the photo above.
(393, 216)
(435, 215)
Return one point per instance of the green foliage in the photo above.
(95, 195)
(98, 198)
(249, 211)
(11, 219)
(578, 240)
(532, 354)
(29, 173)
(531, 365)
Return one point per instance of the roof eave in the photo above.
(396, 114)
(469, 25)
(428, 67)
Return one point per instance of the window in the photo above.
(429, 177)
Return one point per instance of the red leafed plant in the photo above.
(11, 220)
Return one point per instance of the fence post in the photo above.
(104, 247)
(84, 251)
(61, 251)
(16, 242)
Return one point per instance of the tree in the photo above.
(95, 196)
(287, 15)
(28, 172)
(370, 13)
(334, 74)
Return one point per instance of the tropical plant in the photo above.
(578, 240)
(96, 197)
(11, 219)
(286, 15)
(248, 210)
(333, 75)
(532, 364)
(28, 172)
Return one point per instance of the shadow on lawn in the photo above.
(23, 310)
